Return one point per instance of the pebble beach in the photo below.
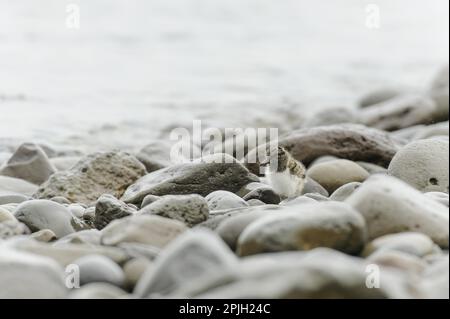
(94, 205)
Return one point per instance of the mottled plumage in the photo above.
(284, 173)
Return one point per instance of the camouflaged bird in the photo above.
(284, 173)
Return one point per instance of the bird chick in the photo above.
(284, 173)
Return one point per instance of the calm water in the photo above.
(141, 65)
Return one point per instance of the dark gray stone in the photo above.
(349, 141)
(190, 178)
(109, 208)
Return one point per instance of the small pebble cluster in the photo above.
(372, 222)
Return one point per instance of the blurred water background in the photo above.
(136, 66)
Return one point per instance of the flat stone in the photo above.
(191, 178)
